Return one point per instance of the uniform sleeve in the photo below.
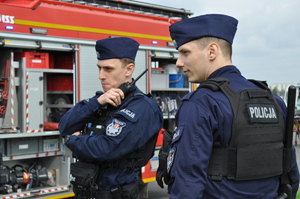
(129, 129)
(76, 118)
(191, 147)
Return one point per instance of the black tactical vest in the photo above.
(137, 158)
(256, 147)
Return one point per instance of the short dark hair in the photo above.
(225, 46)
(126, 61)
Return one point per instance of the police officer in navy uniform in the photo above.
(205, 116)
(94, 132)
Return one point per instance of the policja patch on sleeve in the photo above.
(115, 128)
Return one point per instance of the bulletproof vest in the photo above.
(137, 158)
(256, 146)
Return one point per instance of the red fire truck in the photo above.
(48, 63)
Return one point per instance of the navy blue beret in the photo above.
(116, 47)
(211, 25)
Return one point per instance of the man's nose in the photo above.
(101, 75)
(179, 63)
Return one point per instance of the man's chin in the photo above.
(105, 88)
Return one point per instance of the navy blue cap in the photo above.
(210, 25)
(116, 47)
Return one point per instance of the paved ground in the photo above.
(155, 192)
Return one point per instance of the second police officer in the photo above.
(218, 150)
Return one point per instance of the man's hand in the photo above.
(113, 96)
(67, 138)
(76, 133)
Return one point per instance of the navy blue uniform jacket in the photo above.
(135, 122)
(204, 117)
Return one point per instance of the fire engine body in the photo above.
(48, 63)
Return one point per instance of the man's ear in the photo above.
(129, 69)
(213, 50)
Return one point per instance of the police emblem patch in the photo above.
(98, 55)
(175, 43)
(115, 128)
(170, 158)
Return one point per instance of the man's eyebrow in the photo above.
(182, 49)
(105, 66)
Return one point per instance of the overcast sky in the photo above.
(267, 43)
